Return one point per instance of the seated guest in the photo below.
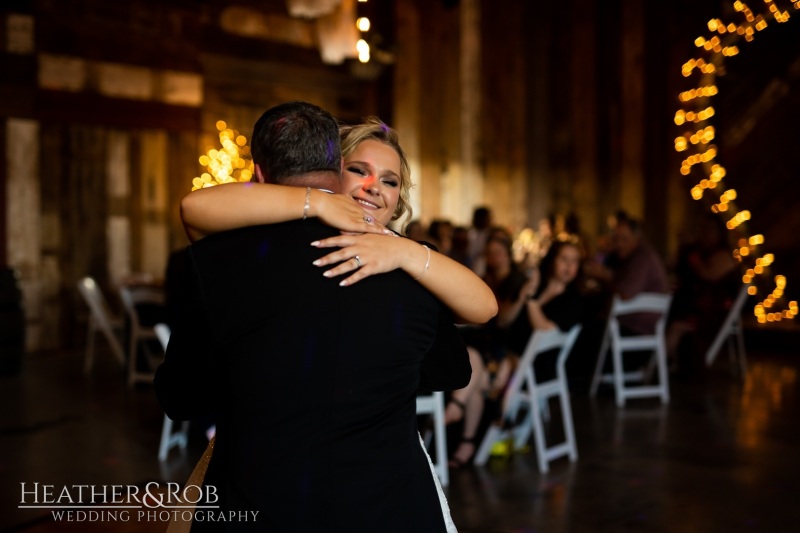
(543, 301)
(631, 268)
(707, 283)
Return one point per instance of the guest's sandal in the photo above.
(458, 461)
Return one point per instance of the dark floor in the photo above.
(723, 456)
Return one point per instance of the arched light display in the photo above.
(695, 116)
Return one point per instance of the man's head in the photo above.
(482, 217)
(626, 236)
(293, 139)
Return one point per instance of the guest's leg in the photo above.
(457, 406)
(473, 413)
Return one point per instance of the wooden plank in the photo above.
(88, 108)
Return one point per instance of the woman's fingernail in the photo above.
(315, 243)
(327, 274)
(343, 283)
(317, 262)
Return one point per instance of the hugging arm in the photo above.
(237, 205)
(446, 366)
(184, 382)
(452, 283)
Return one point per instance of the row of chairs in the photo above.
(104, 322)
(523, 392)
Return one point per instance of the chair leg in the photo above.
(619, 376)
(89, 358)
(166, 434)
(566, 415)
(663, 374)
(538, 433)
(493, 435)
(598, 369)
(441, 439)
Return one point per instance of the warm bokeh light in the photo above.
(229, 163)
(363, 24)
(699, 154)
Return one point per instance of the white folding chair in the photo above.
(100, 320)
(523, 390)
(132, 297)
(731, 331)
(642, 303)
(433, 404)
(169, 439)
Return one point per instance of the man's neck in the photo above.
(318, 180)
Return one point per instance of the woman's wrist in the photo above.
(427, 263)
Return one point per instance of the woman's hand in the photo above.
(367, 254)
(554, 288)
(531, 286)
(342, 212)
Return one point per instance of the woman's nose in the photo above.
(371, 185)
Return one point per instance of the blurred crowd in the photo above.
(551, 277)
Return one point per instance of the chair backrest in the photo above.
(132, 296)
(645, 302)
(98, 306)
(162, 332)
(540, 342)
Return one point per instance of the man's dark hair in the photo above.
(295, 138)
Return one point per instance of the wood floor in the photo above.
(723, 456)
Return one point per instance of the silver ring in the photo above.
(358, 261)
(368, 219)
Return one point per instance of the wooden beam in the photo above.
(88, 108)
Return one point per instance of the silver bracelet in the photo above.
(307, 204)
(427, 263)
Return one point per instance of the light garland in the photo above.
(701, 155)
(229, 164)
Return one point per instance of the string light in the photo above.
(700, 154)
(229, 164)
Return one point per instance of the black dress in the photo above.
(312, 385)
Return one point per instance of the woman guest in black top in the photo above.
(550, 298)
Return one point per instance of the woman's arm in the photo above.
(509, 310)
(538, 319)
(460, 289)
(237, 205)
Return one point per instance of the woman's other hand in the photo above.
(367, 254)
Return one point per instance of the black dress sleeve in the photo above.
(183, 382)
(446, 366)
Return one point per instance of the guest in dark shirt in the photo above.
(550, 298)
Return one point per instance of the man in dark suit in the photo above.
(312, 385)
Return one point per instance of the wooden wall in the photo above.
(105, 109)
(574, 101)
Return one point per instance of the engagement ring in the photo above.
(358, 261)
(368, 219)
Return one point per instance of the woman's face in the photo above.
(497, 255)
(372, 177)
(566, 264)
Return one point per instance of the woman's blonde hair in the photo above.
(374, 129)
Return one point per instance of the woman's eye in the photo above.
(391, 183)
(356, 170)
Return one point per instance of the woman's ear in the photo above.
(259, 175)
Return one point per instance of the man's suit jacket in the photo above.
(312, 385)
